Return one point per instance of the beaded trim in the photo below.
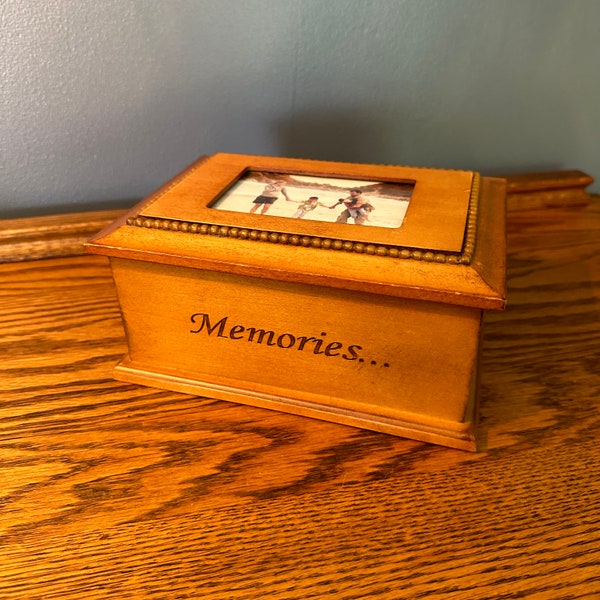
(308, 241)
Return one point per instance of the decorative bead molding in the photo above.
(307, 241)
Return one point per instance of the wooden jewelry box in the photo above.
(345, 292)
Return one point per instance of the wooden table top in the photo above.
(112, 490)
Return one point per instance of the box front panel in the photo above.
(350, 350)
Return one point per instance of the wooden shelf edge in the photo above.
(51, 236)
(553, 189)
(54, 236)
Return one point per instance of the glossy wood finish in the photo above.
(112, 490)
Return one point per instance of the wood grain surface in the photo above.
(112, 490)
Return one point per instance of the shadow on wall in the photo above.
(492, 139)
(337, 136)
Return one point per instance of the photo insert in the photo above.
(356, 202)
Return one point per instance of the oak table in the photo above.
(112, 490)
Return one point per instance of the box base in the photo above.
(459, 435)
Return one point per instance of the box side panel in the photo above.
(350, 350)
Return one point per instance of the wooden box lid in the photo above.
(449, 246)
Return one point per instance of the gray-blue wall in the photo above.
(103, 100)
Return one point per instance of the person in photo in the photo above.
(307, 206)
(356, 208)
(269, 196)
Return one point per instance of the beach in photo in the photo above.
(355, 202)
